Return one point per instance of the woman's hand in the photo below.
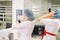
(52, 14)
(38, 19)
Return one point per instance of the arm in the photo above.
(18, 26)
(22, 25)
(51, 14)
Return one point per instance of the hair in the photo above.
(29, 14)
(49, 9)
(19, 21)
(57, 14)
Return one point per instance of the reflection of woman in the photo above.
(51, 22)
(26, 26)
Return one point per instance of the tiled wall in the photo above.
(42, 5)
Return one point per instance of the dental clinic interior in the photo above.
(8, 14)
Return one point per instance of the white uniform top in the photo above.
(25, 29)
(51, 25)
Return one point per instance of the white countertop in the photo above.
(36, 38)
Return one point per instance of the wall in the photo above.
(42, 4)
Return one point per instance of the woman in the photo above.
(51, 22)
(26, 26)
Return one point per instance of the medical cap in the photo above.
(57, 14)
(29, 14)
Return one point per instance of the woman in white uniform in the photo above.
(26, 26)
(51, 22)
